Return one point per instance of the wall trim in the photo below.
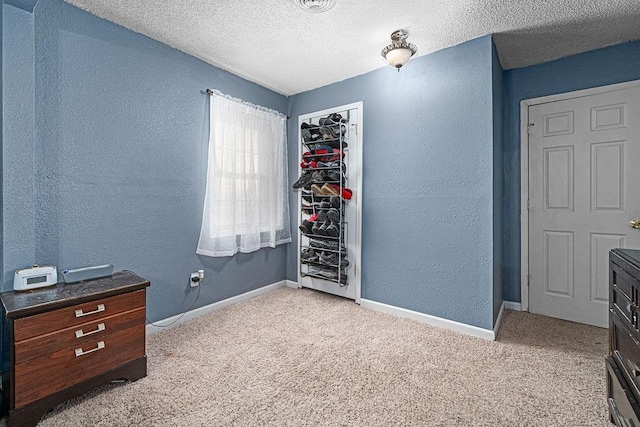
(462, 328)
(292, 284)
(524, 171)
(496, 326)
(512, 305)
(201, 311)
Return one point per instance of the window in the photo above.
(246, 205)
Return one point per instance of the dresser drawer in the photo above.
(626, 352)
(623, 407)
(623, 280)
(621, 305)
(76, 335)
(37, 378)
(44, 323)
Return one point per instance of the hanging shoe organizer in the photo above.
(324, 192)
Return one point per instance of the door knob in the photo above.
(635, 223)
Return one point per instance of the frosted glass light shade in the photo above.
(399, 51)
(398, 57)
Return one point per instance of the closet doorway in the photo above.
(349, 141)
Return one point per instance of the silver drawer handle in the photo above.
(80, 333)
(80, 352)
(80, 313)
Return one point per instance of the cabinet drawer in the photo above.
(76, 335)
(37, 378)
(626, 352)
(622, 305)
(623, 280)
(623, 407)
(44, 323)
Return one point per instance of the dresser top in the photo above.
(20, 304)
(630, 255)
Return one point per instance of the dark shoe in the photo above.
(333, 215)
(316, 227)
(331, 258)
(322, 215)
(319, 176)
(332, 230)
(335, 202)
(307, 226)
(305, 179)
(309, 255)
(328, 274)
(333, 175)
(322, 230)
(325, 204)
(329, 245)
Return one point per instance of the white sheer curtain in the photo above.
(246, 205)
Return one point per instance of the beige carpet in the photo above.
(297, 357)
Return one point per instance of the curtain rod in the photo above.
(210, 92)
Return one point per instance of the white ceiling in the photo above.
(278, 45)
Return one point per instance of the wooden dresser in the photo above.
(68, 339)
(623, 362)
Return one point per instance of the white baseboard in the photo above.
(201, 311)
(292, 284)
(462, 328)
(511, 305)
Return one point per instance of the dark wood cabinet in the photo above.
(68, 339)
(623, 362)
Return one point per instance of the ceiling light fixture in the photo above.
(399, 51)
(315, 6)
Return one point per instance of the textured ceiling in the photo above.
(277, 45)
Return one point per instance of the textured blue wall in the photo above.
(427, 181)
(498, 179)
(18, 132)
(120, 150)
(600, 67)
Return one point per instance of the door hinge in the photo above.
(528, 280)
(528, 205)
(529, 126)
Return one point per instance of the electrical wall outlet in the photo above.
(194, 279)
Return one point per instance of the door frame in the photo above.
(524, 170)
(357, 194)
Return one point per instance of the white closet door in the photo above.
(353, 211)
(584, 188)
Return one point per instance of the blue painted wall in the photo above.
(498, 179)
(119, 152)
(19, 116)
(600, 67)
(427, 241)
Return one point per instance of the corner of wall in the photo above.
(1, 146)
(18, 127)
(497, 80)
